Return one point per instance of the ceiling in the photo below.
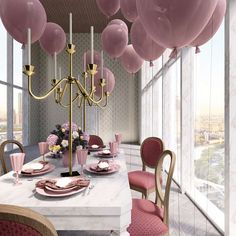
(85, 13)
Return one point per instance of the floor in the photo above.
(185, 218)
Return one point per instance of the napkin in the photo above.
(52, 183)
(94, 146)
(102, 166)
(34, 167)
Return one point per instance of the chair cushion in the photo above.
(142, 179)
(11, 228)
(146, 219)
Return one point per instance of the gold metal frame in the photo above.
(83, 95)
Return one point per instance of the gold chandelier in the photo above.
(61, 87)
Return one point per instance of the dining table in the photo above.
(104, 205)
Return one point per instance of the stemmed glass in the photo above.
(81, 157)
(113, 148)
(17, 160)
(43, 149)
(118, 138)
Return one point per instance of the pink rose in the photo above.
(66, 126)
(52, 139)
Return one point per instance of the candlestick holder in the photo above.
(65, 85)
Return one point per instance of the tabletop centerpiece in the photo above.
(58, 141)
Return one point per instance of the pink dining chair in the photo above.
(142, 180)
(2, 147)
(152, 218)
(94, 139)
(15, 220)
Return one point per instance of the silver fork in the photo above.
(90, 188)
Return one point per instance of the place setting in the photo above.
(61, 187)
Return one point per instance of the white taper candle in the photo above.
(70, 28)
(91, 31)
(29, 46)
(84, 62)
(55, 65)
(102, 64)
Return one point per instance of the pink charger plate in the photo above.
(91, 168)
(46, 169)
(49, 193)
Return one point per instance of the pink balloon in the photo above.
(110, 81)
(53, 39)
(146, 48)
(114, 40)
(174, 23)
(96, 57)
(213, 24)
(108, 7)
(18, 16)
(120, 23)
(130, 60)
(129, 10)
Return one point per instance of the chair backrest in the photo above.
(151, 150)
(162, 199)
(94, 139)
(15, 220)
(2, 147)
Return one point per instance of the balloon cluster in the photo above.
(158, 25)
(18, 16)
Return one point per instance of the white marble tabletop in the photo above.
(107, 206)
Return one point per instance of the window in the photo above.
(11, 90)
(209, 124)
(151, 99)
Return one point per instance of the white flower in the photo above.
(75, 134)
(64, 143)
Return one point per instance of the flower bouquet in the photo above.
(58, 140)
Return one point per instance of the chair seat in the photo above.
(146, 219)
(15, 228)
(142, 179)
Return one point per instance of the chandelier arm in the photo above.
(73, 100)
(80, 102)
(47, 94)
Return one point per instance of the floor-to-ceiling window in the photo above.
(11, 89)
(209, 123)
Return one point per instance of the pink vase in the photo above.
(66, 158)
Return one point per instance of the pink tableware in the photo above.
(17, 160)
(118, 138)
(82, 157)
(112, 169)
(43, 148)
(113, 147)
(46, 169)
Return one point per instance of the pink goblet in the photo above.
(82, 157)
(43, 149)
(17, 160)
(118, 138)
(113, 148)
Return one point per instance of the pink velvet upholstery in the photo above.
(10, 228)
(94, 139)
(151, 151)
(146, 219)
(142, 179)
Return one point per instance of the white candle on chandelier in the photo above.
(70, 28)
(91, 31)
(84, 62)
(55, 65)
(102, 64)
(29, 46)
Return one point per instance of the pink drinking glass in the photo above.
(17, 160)
(113, 148)
(82, 157)
(43, 149)
(118, 138)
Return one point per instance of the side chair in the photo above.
(2, 147)
(142, 180)
(15, 220)
(152, 218)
